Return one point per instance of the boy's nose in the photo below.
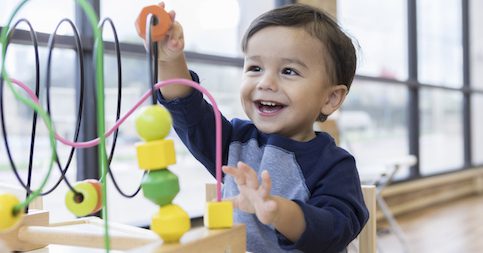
(267, 82)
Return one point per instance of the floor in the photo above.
(452, 227)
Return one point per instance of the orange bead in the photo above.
(158, 30)
(98, 186)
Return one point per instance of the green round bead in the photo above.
(160, 186)
(153, 123)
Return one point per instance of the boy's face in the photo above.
(284, 87)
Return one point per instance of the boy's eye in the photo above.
(289, 71)
(254, 69)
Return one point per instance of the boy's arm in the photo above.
(176, 68)
(327, 222)
(171, 60)
(290, 220)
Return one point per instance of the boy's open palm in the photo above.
(254, 196)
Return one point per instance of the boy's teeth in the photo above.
(268, 103)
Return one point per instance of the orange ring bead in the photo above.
(163, 22)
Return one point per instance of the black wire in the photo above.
(34, 117)
(12, 163)
(33, 37)
(150, 21)
(155, 70)
(79, 50)
(118, 111)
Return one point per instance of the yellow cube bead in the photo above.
(155, 155)
(219, 214)
(170, 223)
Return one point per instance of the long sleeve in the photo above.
(335, 212)
(194, 122)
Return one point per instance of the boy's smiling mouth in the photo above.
(268, 108)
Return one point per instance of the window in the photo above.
(210, 26)
(440, 53)
(477, 126)
(375, 119)
(379, 27)
(441, 131)
(44, 15)
(476, 52)
(371, 122)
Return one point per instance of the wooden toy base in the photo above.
(33, 218)
(201, 240)
(88, 232)
(35, 232)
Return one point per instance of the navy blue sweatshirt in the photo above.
(317, 175)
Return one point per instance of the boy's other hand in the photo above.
(254, 196)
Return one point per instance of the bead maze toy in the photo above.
(24, 229)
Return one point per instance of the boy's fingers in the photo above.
(172, 14)
(236, 174)
(266, 185)
(175, 36)
(229, 170)
(250, 175)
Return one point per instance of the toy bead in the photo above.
(218, 214)
(159, 28)
(98, 186)
(85, 202)
(155, 155)
(9, 219)
(170, 223)
(160, 186)
(153, 123)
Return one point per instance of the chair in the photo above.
(384, 180)
(367, 237)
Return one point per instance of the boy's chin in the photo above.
(266, 128)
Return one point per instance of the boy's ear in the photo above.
(335, 98)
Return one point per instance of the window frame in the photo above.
(87, 160)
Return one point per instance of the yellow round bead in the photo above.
(153, 123)
(9, 219)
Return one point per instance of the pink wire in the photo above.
(147, 95)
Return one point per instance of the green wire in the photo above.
(102, 161)
(102, 156)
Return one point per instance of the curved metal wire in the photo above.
(33, 37)
(118, 111)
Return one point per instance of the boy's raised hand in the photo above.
(172, 44)
(254, 196)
